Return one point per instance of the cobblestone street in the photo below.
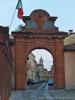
(41, 92)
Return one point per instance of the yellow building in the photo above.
(46, 74)
(69, 56)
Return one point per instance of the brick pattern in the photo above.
(59, 65)
(20, 66)
(26, 45)
(6, 65)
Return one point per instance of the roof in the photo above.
(70, 39)
(70, 47)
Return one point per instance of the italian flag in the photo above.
(20, 9)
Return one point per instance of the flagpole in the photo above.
(12, 19)
(20, 12)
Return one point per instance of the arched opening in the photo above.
(40, 68)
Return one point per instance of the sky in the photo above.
(63, 9)
(46, 56)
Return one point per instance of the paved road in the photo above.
(42, 92)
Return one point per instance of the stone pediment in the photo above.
(39, 19)
(42, 23)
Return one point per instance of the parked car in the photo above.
(32, 82)
(50, 82)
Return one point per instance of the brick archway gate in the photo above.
(39, 32)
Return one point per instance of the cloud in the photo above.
(47, 57)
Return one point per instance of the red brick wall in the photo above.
(59, 64)
(13, 57)
(20, 66)
(6, 65)
(25, 45)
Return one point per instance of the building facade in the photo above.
(6, 64)
(39, 69)
(69, 54)
(31, 64)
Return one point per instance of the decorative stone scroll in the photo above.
(39, 19)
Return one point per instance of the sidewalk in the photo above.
(63, 94)
(43, 95)
(16, 95)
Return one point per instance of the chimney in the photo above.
(70, 31)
